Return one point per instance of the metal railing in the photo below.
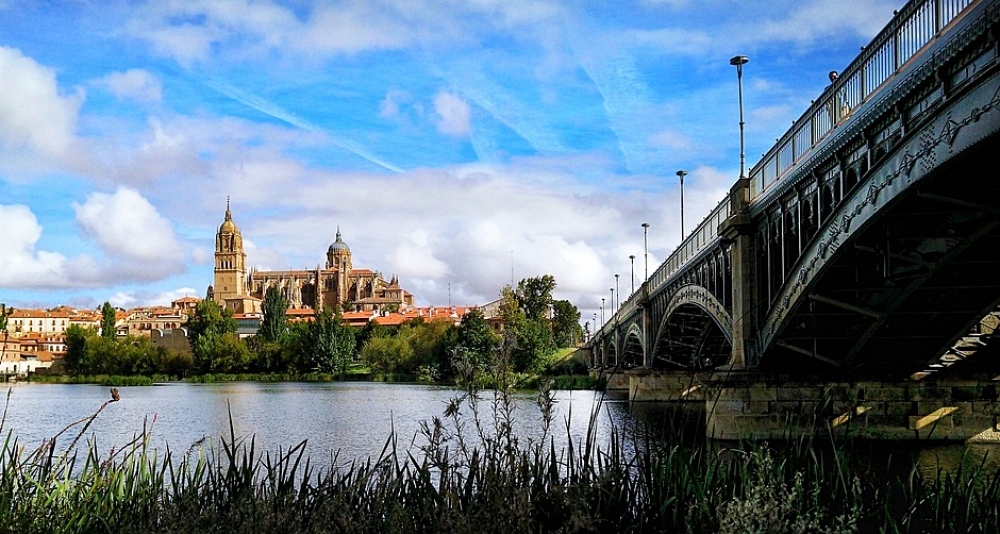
(914, 27)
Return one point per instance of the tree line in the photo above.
(534, 324)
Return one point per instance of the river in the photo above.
(354, 419)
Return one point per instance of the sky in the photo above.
(455, 144)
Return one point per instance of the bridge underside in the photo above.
(909, 284)
(691, 339)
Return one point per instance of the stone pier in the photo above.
(754, 406)
(742, 405)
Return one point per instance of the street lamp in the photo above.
(645, 250)
(681, 175)
(631, 259)
(612, 299)
(619, 291)
(602, 310)
(738, 62)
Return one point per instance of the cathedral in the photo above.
(337, 285)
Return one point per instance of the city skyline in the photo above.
(459, 144)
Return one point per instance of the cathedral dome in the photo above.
(339, 244)
(228, 226)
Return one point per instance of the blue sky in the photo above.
(448, 140)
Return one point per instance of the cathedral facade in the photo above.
(337, 285)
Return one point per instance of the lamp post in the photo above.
(602, 311)
(645, 250)
(738, 62)
(612, 300)
(631, 259)
(618, 291)
(681, 175)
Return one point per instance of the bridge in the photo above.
(865, 243)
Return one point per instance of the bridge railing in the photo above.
(911, 29)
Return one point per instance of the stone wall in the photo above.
(754, 406)
(665, 386)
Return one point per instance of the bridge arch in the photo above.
(696, 331)
(904, 265)
(634, 348)
(611, 353)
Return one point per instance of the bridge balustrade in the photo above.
(910, 31)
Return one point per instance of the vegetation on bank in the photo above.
(417, 351)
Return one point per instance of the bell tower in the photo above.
(230, 261)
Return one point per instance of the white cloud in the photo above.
(670, 139)
(127, 227)
(192, 30)
(453, 115)
(137, 245)
(33, 114)
(21, 265)
(134, 84)
(812, 21)
(415, 256)
(133, 299)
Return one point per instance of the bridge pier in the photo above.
(645, 385)
(756, 406)
(737, 230)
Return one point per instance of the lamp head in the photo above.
(739, 60)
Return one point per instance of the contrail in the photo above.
(269, 108)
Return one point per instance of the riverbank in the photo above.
(560, 372)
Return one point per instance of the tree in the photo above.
(566, 323)
(76, 348)
(387, 354)
(108, 320)
(476, 339)
(328, 345)
(525, 315)
(274, 323)
(206, 328)
(534, 296)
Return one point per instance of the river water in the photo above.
(354, 419)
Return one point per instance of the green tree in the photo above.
(534, 296)
(525, 312)
(274, 323)
(206, 329)
(476, 339)
(76, 357)
(329, 344)
(387, 355)
(108, 320)
(566, 328)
